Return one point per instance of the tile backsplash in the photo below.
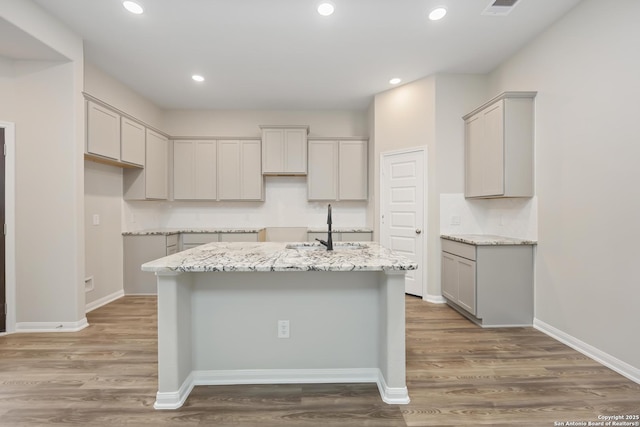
(512, 217)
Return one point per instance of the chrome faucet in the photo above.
(329, 242)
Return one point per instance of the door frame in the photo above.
(10, 219)
(422, 150)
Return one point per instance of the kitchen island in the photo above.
(268, 313)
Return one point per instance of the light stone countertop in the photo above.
(340, 230)
(170, 231)
(275, 256)
(487, 239)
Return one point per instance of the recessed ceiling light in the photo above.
(197, 78)
(395, 80)
(326, 8)
(133, 7)
(437, 13)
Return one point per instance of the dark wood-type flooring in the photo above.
(457, 374)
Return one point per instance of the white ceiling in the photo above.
(281, 54)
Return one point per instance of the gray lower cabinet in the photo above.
(490, 284)
(191, 240)
(140, 249)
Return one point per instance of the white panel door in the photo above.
(402, 211)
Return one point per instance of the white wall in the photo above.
(585, 69)
(103, 191)
(246, 122)
(428, 112)
(104, 87)
(49, 123)
(285, 205)
(103, 242)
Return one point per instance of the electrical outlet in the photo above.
(283, 329)
(455, 220)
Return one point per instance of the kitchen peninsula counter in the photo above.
(269, 313)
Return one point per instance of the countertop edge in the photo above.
(487, 240)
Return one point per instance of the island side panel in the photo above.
(392, 337)
(333, 319)
(174, 339)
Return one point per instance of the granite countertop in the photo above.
(340, 230)
(276, 256)
(170, 231)
(487, 239)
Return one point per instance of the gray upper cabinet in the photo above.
(499, 138)
(337, 169)
(113, 138)
(195, 170)
(152, 182)
(284, 150)
(103, 131)
(132, 142)
(239, 170)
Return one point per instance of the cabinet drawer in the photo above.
(198, 238)
(461, 249)
(172, 240)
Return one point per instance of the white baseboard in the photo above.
(51, 326)
(599, 356)
(434, 299)
(103, 301)
(174, 400)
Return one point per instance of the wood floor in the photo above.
(457, 374)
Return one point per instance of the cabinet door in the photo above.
(183, 170)
(137, 251)
(352, 170)
(272, 151)
(322, 179)
(229, 170)
(103, 131)
(194, 170)
(251, 180)
(132, 142)
(474, 157)
(467, 284)
(205, 171)
(156, 168)
(449, 277)
(295, 151)
(493, 151)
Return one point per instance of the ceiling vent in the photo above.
(499, 7)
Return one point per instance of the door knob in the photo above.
(418, 231)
